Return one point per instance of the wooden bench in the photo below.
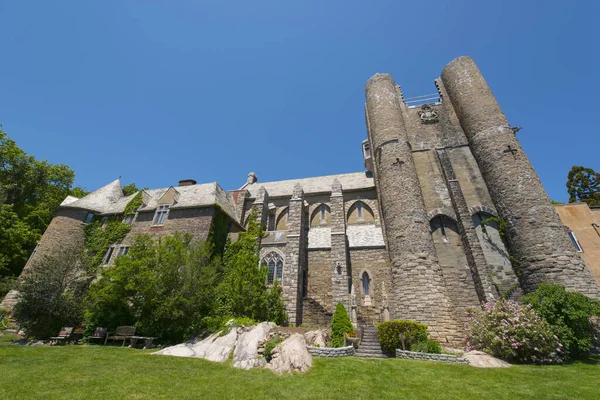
(98, 334)
(63, 336)
(122, 333)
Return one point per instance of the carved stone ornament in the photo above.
(428, 115)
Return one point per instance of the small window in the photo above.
(575, 242)
(104, 221)
(366, 283)
(359, 211)
(107, 255)
(129, 219)
(123, 250)
(161, 215)
(88, 218)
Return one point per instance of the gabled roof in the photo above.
(315, 185)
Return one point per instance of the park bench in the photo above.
(98, 334)
(63, 336)
(122, 333)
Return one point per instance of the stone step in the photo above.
(369, 346)
(368, 351)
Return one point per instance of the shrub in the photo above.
(7, 283)
(51, 295)
(340, 325)
(427, 346)
(270, 345)
(400, 334)
(3, 318)
(569, 315)
(512, 332)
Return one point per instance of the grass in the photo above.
(98, 372)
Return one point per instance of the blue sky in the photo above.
(157, 91)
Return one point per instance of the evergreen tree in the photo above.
(583, 185)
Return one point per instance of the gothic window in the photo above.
(321, 216)
(274, 263)
(282, 220)
(161, 214)
(366, 283)
(360, 213)
(271, 221)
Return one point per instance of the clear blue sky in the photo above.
(157, 91)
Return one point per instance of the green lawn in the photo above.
(98, 372)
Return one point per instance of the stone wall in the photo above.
(331, 352)
(195, 221)
(376, 263)
(445, 358)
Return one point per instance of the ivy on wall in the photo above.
(99, 237)
(219, 229)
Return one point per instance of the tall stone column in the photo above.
(292, 271)
(536, 235)
(418, 292)
(339, 250)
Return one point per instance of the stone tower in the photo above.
(535, 232)
(418, 292)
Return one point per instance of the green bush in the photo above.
(340, 325)
(400, 334)
(3, 318)
(512, 332)
(270, 345)
(427, 346)
(569, 315)
(7, 283)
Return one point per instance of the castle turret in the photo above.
(418, 291)
(536, 235)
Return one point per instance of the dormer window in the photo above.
(161, 214)
(129, 219)
(88, 218)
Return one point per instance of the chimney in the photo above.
(252, 178)
(187, 182)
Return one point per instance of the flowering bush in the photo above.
(512, 332)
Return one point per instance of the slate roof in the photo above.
(110, 199)
(315, 185)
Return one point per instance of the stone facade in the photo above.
(405, 239)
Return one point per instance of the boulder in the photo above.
(180, 350)
(317, 338)
(480, 359)
(290, 356)
(246, 355)
(203, 345)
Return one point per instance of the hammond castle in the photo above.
(403, 239)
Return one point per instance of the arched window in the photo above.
(444, 230)
(366, 283)
(360, 213)
(321, 216)
(274, 262)
(282, 220)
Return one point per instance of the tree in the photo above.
(164, 287)
(51, 295)
(340, 325)
(130, 189)
(30, 191)
(583, 185)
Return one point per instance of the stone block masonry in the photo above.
(445, 358)
(331, 352)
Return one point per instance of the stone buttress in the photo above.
(535, 232)
(339, 250)
(418, 292)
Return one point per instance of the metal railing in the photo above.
(419, 100)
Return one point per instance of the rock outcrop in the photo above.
(318, 338)
(290, 356)
(246, 355)
(480, 359)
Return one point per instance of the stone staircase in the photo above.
(369, 344)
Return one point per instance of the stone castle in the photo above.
(403, 239)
